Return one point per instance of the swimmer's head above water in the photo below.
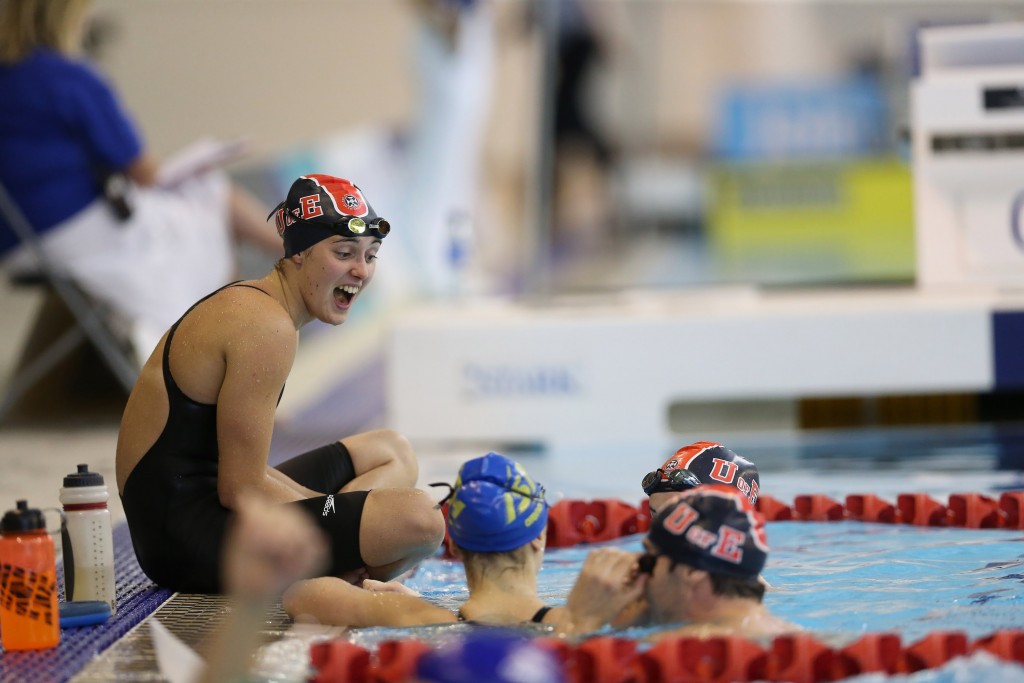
(712, 527)
(702, 462)
(495, 506)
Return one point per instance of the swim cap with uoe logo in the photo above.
(714, 528)
(711, 463)
(320, 206)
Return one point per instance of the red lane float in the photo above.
(932, 651)
(799, 658)
(871, 653)
(818, 508)
(1011, 505)
(965, 510)
(867, 507)
(571, 522)
(1008, 645)
(974, 511)
(717, 660)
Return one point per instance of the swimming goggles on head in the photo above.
(536, 495)
(660, 481)
(353, 225)
(645, 563)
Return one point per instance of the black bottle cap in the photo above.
(83, 477)
(23, 519)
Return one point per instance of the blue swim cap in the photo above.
(492, 656)
(495, 506)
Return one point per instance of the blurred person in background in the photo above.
(144, 241)
(454, 55)
(583, 154)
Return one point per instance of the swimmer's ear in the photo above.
(692, 574)
(540, 542)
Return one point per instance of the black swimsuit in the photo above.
(174, 513)
(537, 618)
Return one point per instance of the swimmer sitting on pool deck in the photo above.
(196, 431)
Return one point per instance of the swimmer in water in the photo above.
(702, 558)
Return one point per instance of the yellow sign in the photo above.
(805, 222)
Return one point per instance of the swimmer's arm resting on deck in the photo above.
(329, 600)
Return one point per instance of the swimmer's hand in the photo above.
(608, 583)
(388, 587)
(635, 613)
(355, 576)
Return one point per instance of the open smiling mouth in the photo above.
(346, 293)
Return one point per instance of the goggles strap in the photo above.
(448, 496)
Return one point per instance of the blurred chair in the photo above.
(90, 321)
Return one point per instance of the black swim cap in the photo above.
(714, 528)
(319, 206)
(713, 463)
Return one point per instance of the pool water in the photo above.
(840, 579)
(848, 578)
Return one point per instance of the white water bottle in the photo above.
(87, 540)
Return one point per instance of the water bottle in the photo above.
(29, 617)
(86, 538)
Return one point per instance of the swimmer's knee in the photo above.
(429, 521)
(420, 522)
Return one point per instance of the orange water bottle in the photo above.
(29, 619)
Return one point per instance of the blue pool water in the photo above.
(842, 579)
(849, 578)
